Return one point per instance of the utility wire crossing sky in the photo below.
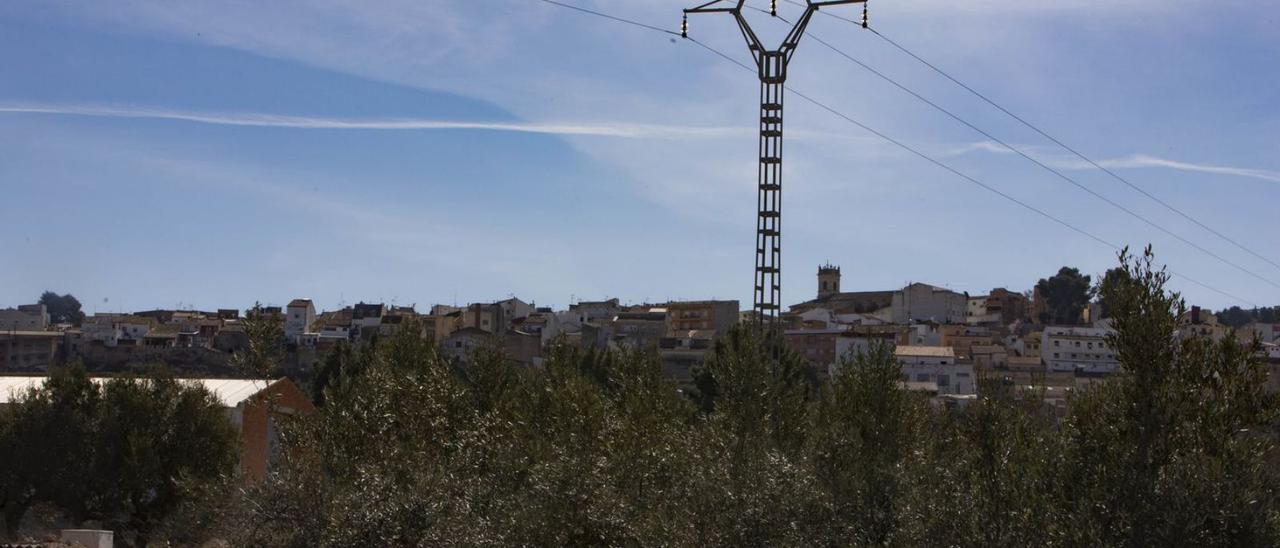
(439, 151)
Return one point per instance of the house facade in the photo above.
(938, 365)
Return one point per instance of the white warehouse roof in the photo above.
(231, 392)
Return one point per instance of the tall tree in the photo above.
(158, 437)
(48, 447)
(868, 441)
(62, 308)
(1172, 450)
(1066, 294)
(1112, 277)
(265, 343)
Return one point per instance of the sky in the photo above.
(210, 154)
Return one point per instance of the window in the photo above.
(1055, 343)
(944, 380)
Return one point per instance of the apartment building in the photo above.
(715, 316)
(1080, 349)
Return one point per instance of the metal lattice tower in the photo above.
(772, 64)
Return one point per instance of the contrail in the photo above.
(250, 119)
(1135, 161)
(1142, 160)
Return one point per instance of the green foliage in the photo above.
(265, 343)
(1106, 285)
(1065, 294)
(867, 446)
(126, 453)
(1178, 439)
(47, 444)
(62, 308)
(1238, 317)
(157, 437)
(598, 448)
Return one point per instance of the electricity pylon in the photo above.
(772, 64)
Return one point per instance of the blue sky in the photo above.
(215, 153)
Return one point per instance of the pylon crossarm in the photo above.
(753, 43)
(793, 38)
(706, 8)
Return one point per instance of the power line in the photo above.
(615, 18)
(1051, 138)
(1032, 159)
(909, 149)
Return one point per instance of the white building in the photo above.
(1272, 350)
(924, 302)
(300, 315)
(977, 306)
(979, 314)
(936, 364)
(851, 346)
(1083, 349)
(924, 334)
(367, 316)
(113, 329)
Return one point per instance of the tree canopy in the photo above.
(62, 308)
(1065, 295)
(598, 448)
(127, 453)
(1239, 317)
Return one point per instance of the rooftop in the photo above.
(987, 349)
(849, 302)
(44, 334)
(926, 351)
(230, 392)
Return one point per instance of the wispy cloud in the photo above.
(1134, 161)
(251, 119)
(1142, 161)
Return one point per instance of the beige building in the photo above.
(716, 316)
(28, 350)
(989, 356)
(27, 317)
(963, 338)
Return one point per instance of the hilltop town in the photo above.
(943, 339)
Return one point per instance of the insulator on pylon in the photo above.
(773, 8)
(684, 26)
(866, 18)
